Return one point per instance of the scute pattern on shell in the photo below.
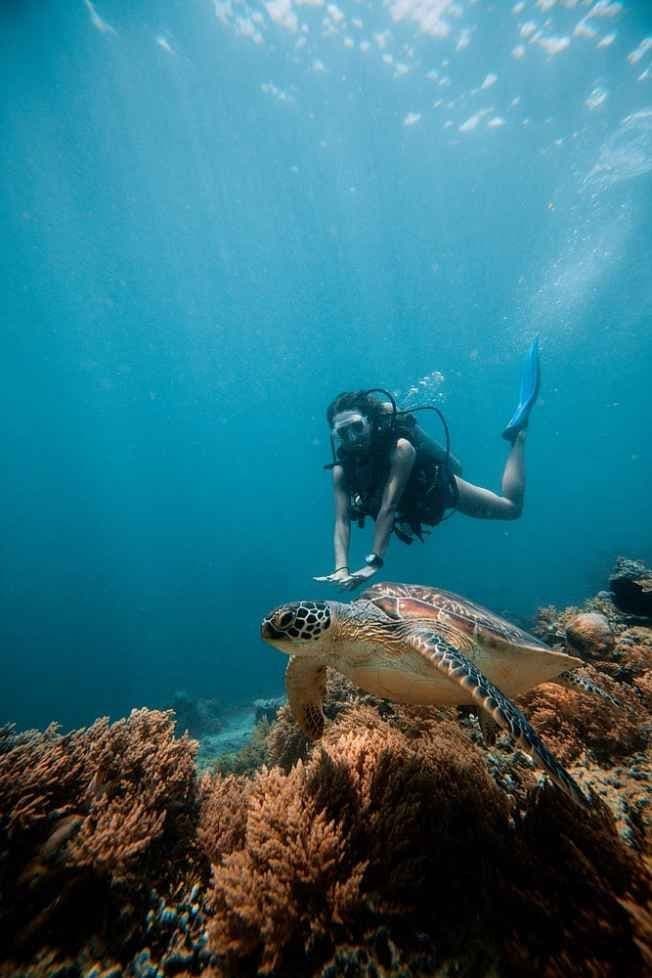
(469, 616)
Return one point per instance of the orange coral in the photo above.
(223, 814)
(570, 722)
(286, 742)
(141, 776)
(388, 822)
(644, 684)
(85, 813)
(404, 782)
(293, 877)
(561, 893)
(641, 918)
(345, 830)
(390, 849)
(39, 773)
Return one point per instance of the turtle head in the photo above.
(298, 628)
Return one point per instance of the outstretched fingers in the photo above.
(351, 582)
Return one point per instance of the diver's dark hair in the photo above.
(356, 401)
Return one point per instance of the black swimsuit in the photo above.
(429, 492)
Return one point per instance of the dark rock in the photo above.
(631, 586)
(267, 709)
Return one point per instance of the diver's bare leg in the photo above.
(487, 505)
(513, 481)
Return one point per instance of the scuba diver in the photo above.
(385, 466)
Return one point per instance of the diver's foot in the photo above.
(530, 383)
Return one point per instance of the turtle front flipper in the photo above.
(455, 665)
(305, 681)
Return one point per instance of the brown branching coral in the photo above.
(644, 685)
(641, 920)
(123, 780)
(294, 876)
(286, 742)
(89, 815)
(398, 824)
(561, 893)
(39, 774)
(139, 778)
(422, 804)
(223, 814)
(571, 725)
(116, 833)
(344, 832)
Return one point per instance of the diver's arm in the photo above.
(342, 530)
(403, 458)
(402, 462)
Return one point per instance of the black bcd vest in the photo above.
(430, 490)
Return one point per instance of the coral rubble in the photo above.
(199, 716)
(401, 844)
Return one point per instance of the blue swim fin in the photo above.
(530, 381)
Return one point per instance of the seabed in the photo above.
(402, 844)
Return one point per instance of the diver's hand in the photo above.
(341, 574)
(354, 580)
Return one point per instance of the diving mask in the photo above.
(351, 432)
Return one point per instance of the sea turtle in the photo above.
(419, 645)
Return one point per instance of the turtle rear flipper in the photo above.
(572, 680)
(305, 681)
(455, 665)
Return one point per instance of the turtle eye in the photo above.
(286, 619)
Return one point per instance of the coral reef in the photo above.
(405, 814)
(574, 728)
(631, 585)
(401, 844)
(609, 745)
(590, 635)
(91, 821)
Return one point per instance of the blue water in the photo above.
(216, 216)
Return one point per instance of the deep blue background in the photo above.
(193, 267)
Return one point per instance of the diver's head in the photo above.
(351, 431)
(354, 418)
